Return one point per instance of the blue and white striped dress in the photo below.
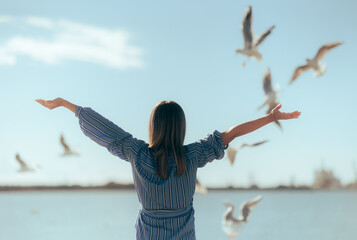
(166, 204)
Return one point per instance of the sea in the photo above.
(111, 215)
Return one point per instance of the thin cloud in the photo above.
(40, 22)
(72, 41)
(4, 19)
(7, 59)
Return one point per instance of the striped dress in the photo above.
(166, 210)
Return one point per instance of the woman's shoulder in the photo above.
(210, 139)
(207, 149)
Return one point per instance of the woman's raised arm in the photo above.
(247, 127)
(100, 130)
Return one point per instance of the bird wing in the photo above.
(267, 82)
(325, 48)
(198, 184)
(247, 28)
(247, 206)
(278, 123)
(22, 163)
(272, 105)
(253, 144)
(64, 144)
(228, 214)
(298, 71)
(259, 143)
(200, 188)
(231, 152)
(261, 38)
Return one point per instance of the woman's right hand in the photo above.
(277, 115)
(51, 104)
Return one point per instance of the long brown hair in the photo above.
(167, 131)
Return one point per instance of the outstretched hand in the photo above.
(57, 102)
(50, 104)
(277, 115)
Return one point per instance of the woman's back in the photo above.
(166, 203)
(173, 193)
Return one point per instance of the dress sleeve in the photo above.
(107, 134)
(208, 149)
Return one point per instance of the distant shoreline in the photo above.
(109, 186)
(117, 186)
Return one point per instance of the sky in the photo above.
(121, 58)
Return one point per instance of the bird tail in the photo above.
(238, 51)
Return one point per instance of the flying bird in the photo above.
(232, 151)
(315, 63)
(200, 188)
(232, 225)
(270, 95)
(24, 166)
(67, 150)
(250, 43)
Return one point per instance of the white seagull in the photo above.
(315, 63)
(232, 151)
(67, 150)
(200, 188)
(24, 166)
(250, 45)
(232, 225)
(270, 94)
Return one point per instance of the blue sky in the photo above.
(121, 58)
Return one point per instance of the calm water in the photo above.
(110, 215)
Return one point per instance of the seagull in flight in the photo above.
(67, 150)
(232, 225)
(200, 188)
(250, 43)
(232, 151)
(315, 63)
(270, 95)
(24, 166)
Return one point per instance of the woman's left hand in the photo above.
(51, 104)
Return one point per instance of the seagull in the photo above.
(200, 188)
(250, 46)
(35, 211)
(67, 150)
(232, 225)
(232, 151)
(24, 166)
(315, 62)
(270, 95)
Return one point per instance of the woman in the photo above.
(164, 171)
